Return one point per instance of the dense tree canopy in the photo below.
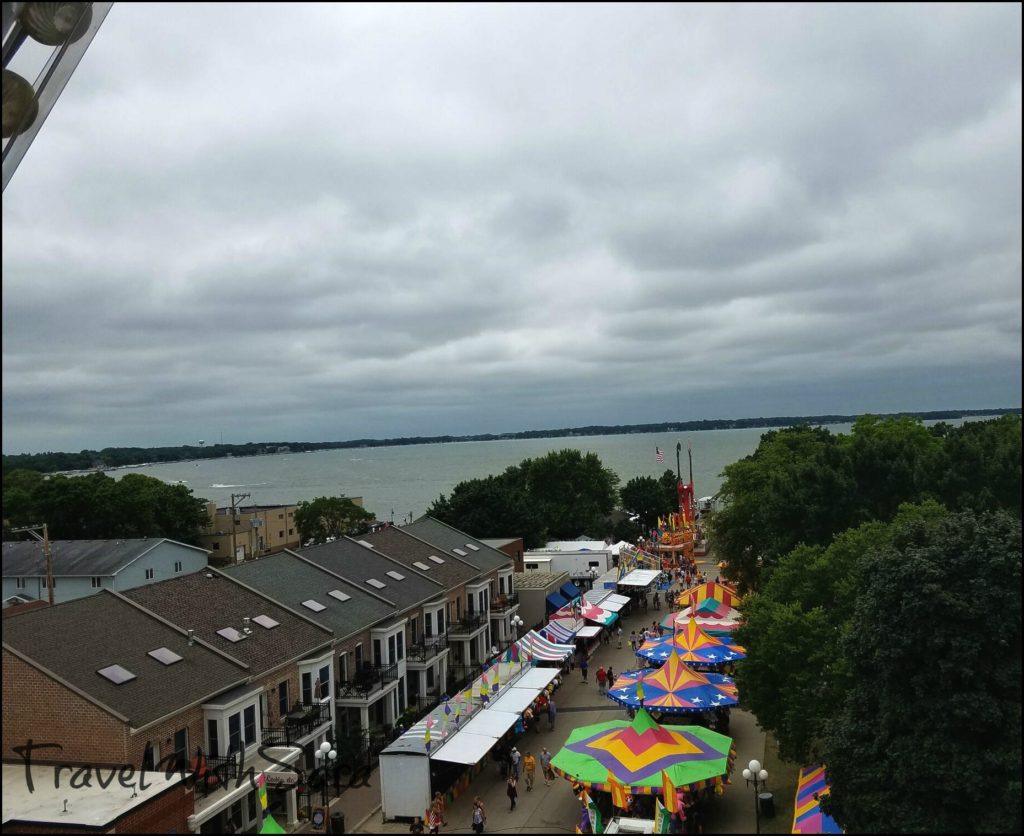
(649, 498)
(928, 735)
(330, 517)
(805, 485)
(561, 495)
(97, 507)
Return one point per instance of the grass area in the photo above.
(782, 778)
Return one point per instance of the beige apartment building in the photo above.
(233, 535)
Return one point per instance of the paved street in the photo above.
(554, 809)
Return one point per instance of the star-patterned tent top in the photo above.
(694, 646)
(635, 753)
(674, 688)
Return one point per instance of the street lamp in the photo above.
(323, 756)
(757, 776)
(593, 575)
(516, 622)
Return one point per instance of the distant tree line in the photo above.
(882, 572)
(111, 457)
(98, 507)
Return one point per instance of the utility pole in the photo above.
(45, 538)
(235, 499)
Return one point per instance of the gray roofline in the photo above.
(331, 572)
(169, 714)
(399, 564)
(160, 542)
(274, 601)
(28, 660)
(476, 569)
(464, 534)
(180, 630)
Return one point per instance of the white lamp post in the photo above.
(323, 756)
(516, 622)
(757, 776)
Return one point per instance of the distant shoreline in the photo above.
(117, 458)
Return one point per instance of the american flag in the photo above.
(659, 454)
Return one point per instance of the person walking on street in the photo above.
(601, 678)
(584, 667)
(632, 640)
(545, 766)
(618, 634)
(529, 766)
(514, 758)
(552, 711)
(479, 815)
(512, 792)
(611, 677)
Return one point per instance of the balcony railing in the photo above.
(504, 602)
(428, 647)
(467, 624)
(299, 722)
(368, 679)
(212, 774)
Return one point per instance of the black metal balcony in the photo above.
(427, 648)
(297, 723)
(466, 625)
(504, 602)
(212, 774)
(367, 679)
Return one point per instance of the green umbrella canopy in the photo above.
(637, 752)
(270, 825)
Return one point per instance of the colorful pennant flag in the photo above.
(261, 783)
(662, 821)
(620, 797)
(668, 790)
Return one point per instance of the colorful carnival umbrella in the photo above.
(694, 646)
(718, 591)
(712, 616)
(674, 688)
(636, 754)
(807, 815)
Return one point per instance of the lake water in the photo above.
(404, 480)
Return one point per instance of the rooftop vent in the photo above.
(315, 606)
(459, 552)
(436, 559)
(422, 566)
(165, 655)
(341, 596)
(266, 621)
(376, 584)
(231, 634)
(472, 548)
(396, 575)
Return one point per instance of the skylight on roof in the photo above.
(398, 576)
(459, 552)
(266, 621)
(341, 596)
(473, 548)
(376, 583)
(231, 634)
(315, 606)
(364, 543)
(422, 566)
(165, 655)
(437, 559)
(116, 674)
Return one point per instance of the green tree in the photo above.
(796, 487)
(649, 498)
(560, 495)
(330, 517)
(928, 738)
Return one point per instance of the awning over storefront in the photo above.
(570, 591)
(543, 650)
(588, 632)
(466, 748)
(555, 601)
(562, 631)
(640, 578)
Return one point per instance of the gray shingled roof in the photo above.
(358, 564)
(76, 639)
(406, 548)
(438, 533)
(209, 601)
(290, 580)
(86, 558)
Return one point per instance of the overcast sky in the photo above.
(323, 222)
